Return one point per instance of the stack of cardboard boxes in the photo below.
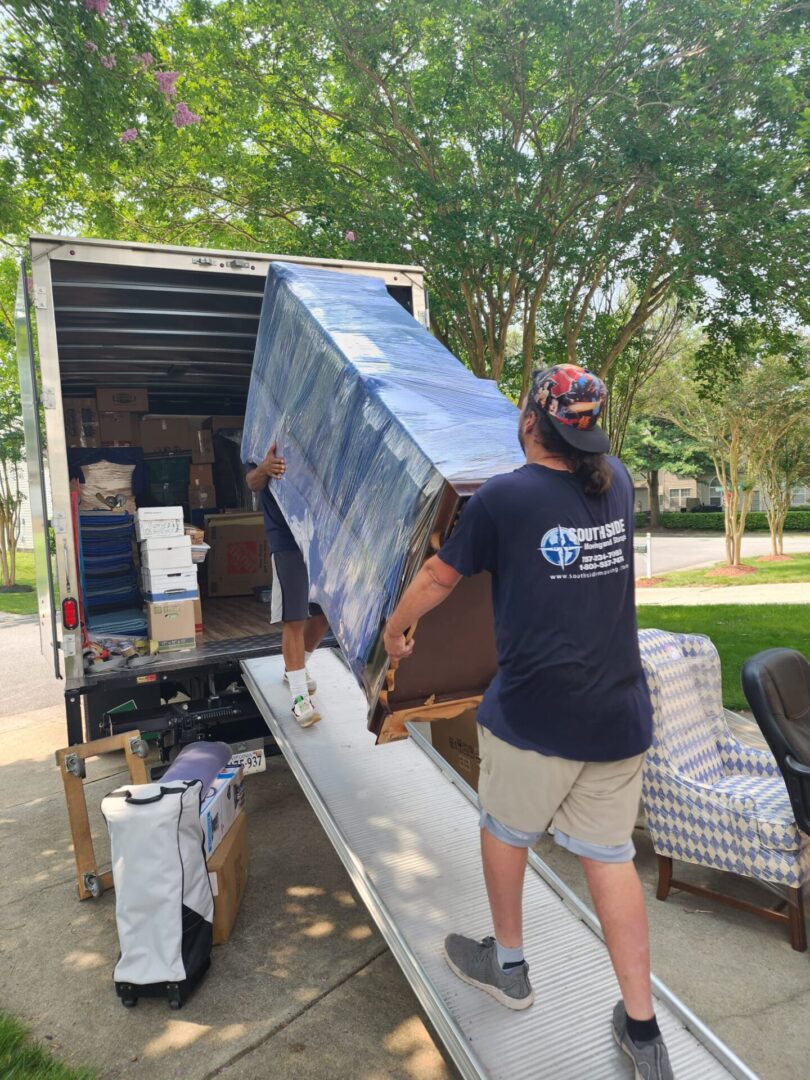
(225, 840)
(111, 418)
(169, 577)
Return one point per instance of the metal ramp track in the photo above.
(409, 840)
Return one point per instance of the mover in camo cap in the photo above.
(565, 723)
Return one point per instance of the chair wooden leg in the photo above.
(664, 876)
(798, 930)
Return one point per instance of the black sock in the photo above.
(642, 1031)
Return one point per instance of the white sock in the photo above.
(509, 956)
(298, 684)
(307, 658)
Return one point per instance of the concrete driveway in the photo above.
(306, 987)
(679, 551)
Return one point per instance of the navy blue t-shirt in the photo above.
(279, 537)
(569, 681)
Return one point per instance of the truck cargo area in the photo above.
(405, 826)
(175, 329)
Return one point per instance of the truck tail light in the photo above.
(70, 613)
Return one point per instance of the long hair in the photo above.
(592, 469)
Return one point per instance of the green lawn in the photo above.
(766, 573)
(21, 1059)
(22, 603)
(738, 631)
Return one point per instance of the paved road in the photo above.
(681, 550)
(26, 677)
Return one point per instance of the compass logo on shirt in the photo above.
(560, 546)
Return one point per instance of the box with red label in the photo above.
(239, 559)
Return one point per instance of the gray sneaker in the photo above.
(651, 1060)
(476, 963)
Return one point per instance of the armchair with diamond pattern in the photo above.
(708, 798)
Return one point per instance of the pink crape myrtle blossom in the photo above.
(128, 136)
(146, 60)
(108, 61)
(183, 116)
(99, 6)
(91, 46)
(350, 236)
(166, 82)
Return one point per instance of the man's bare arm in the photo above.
(432, 585)
(270, 469)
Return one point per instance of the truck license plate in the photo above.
(252, 761)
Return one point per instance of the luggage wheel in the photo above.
(173, 994)
(139, 747)
(92, 882)
(129, 1002)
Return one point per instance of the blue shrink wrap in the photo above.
(375, 419)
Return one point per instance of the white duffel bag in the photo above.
(164, 906)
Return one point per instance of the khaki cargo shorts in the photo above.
(592, 806)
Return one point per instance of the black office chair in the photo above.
(776, 683)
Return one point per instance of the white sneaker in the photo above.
(305, 712)
(312, 686)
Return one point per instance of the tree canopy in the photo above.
(535, 156)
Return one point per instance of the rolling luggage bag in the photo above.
(164, 907)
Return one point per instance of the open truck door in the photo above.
(36, 472)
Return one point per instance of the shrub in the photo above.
(796, 521)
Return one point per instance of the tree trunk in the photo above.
(652, 485)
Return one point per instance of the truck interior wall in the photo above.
(189, 345)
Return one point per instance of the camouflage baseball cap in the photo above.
(573, 399)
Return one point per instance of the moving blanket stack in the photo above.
(374, 417)
(164, 902)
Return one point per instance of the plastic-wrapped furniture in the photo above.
(777, 685)
(385, 435)
(708, 798)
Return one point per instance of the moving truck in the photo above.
(148, 349)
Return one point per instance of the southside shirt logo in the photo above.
(560, 546)
(600, 549)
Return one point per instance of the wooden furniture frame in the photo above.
(71, 761)
(789, 911)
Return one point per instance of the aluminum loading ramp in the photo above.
(409, 840)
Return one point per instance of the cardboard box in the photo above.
(239, 559)
(198, 616)
(195, 533)
(120, 427)
(177, 584)
(224, 423)
(81, 422)
(228, 874)
(457, 742)
(171, 624)
(122, 399)
(165, 435)
(202, 448)
(201, 498)
(201, 476)
(220, 805)
(167, 553)
(153, 521)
